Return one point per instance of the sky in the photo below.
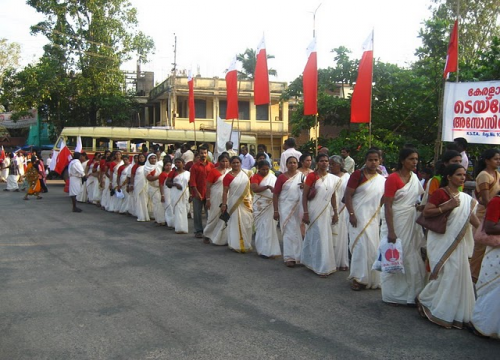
(210, 33)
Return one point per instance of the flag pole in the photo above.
(371, 88)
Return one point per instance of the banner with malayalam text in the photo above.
(471, 110)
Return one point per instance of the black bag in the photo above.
(225, 216)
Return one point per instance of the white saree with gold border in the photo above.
(403, 288)
(448, 299)
(364, 239)
(216, 229)
(239, 207)
(266, 235)
(289, 204)
(317, 251)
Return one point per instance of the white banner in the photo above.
(23, 122)
(223, 136)
(471, 110)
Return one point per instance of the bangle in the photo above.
(306, 212)
(351, 213)
(207, 199)
(276, 211)
(440, 210)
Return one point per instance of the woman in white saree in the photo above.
(114, 201)
(448, 299)
(152, 171)
(362, 198)
(165, 193)
(237, 200)
(83, 195)
(402, 191)
(123, 184)
(179, 196)
(266, 236)
(215, 229)
(130, 187)
(91, 178)
(317, 250)
(339, 230)
(486, 315)
(287, 203)
(141, 191)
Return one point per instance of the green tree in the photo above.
(10, 54)
(79, 77)
(248, 60)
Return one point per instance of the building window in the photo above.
(200, 108)
(262, 112)
(244, 110)
(222, 108)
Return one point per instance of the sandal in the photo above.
(290, 263)
(356, 286)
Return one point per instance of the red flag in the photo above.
(232, 91)
(2, 154)
(63, 159)
(261, 76)
(191, 97)
(452, 56)
(310, 81)
(361, 102)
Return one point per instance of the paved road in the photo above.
(97, 285)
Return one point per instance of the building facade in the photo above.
(168, 106)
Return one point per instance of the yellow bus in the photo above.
(131, 139)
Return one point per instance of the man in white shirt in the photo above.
(349, 164)
(230, 150)
(76, 173)
(290, 145)
(462, 147)
(247, 160)
(187, 154)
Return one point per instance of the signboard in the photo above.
(23, 122)
(472, 111)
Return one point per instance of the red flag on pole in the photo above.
(191, 97)
(310, 81)
(232, 91)
(452, 56)
(63, 159)
(261, 76)
(361, 102)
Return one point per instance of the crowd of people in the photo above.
(24, 172)
(330, 217)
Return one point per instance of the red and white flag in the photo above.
(310, 80)
(63, 159)
(261, 76)
(232, 91)
(452, 56)
(192, 111)
(361, 102)
(79, 146)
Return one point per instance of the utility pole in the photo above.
(172, 99)
(316, 123)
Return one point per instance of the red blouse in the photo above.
(393, 184)
(228, 179)
(493, 210)
(213, 175)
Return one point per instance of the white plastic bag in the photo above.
(119, 194)
(377, 265)
(391, 257)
